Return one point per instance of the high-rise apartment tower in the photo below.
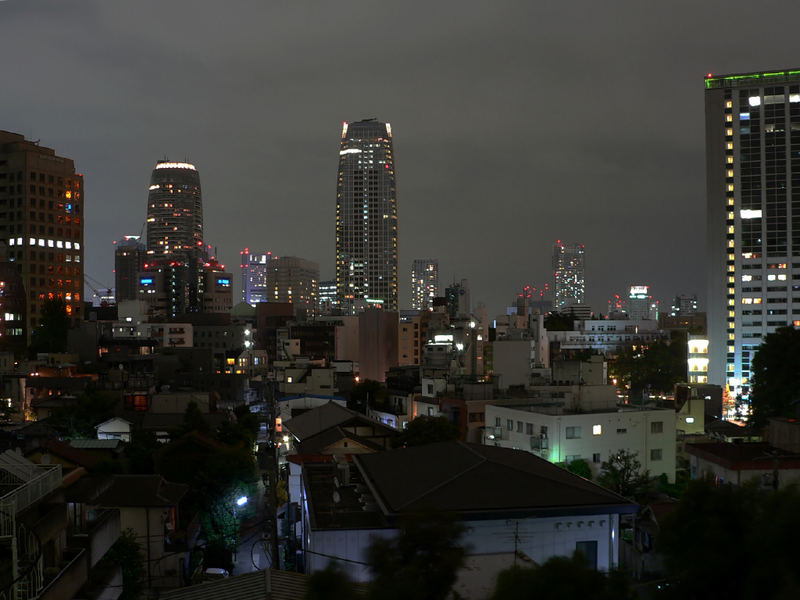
(753, 210)
(568, 275)
(366, 218)
(41, 221)
(424, 283)
(174, 212)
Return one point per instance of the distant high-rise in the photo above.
(683, 305)
(568, 275)
(753, 216)
(457, 299)
(366, 218)
(174, 212)
(254, 276)
(641, 304)
(293, 279)
(326, 297)
(129, 258)
(424, 283)
(41, 221)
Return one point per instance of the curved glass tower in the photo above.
(174, 212)
(366, 218)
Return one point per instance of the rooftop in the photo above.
(745, 456)
(142, 490)
(473, 479)
(749, 79)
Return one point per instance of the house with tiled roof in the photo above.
(509, 501)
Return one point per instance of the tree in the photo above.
(561, 577)
(427, 430)
(742, 531)
(91, 408)
(331, 583)
(776, 377)
(421, 562)
(368, 393)
(622, 473)
(127, 552)
(51, 335)
(657, 367)
(580, 467)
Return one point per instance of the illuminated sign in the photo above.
(146, 281)
(224, 282)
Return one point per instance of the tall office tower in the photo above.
(254, 276)
(568, 275)
(753, 216)
(683, 305)
(174, 212)
(366, 218)
(129, 257)
(641, 304)
(12, 307)
(295, 280)
(424, 283)
(41, 221)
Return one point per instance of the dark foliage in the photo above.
(776, 377)
(51, 335)
(733, 542)
(331, 583)
(563, 578)
(421, 562)
(427, 430)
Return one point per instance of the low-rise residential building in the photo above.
(509, 501)
(560, 431)
(769, 467)
(607, 336)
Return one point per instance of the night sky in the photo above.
(515, 123)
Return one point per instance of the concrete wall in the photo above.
(630, 430)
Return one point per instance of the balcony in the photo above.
(98, 534)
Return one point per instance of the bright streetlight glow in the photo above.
(241, 501)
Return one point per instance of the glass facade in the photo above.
(753, 179)
(568, 275)
(424, 283)
(366, 218)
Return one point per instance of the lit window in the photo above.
(754, 101)
(597, 429)
(690, 420)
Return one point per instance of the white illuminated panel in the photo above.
(349, 151)
(754, 101)
(747, 213)
(176, 165)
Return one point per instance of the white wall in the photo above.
(631, 430)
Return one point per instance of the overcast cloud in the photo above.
(515, 123)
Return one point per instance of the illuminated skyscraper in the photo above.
(366, 218)
(568, 275)
(424, 283)
(41, 221)
(254, 276)
(174, 212)
(753, 216)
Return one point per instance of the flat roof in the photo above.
(754, 78)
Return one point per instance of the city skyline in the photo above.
(468, 153)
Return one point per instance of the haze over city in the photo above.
(513, 127)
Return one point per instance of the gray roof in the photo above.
(95, 444)
(281, 585)
(142, 490)
(323, 417)
(472, 479)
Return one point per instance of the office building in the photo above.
(129, 259)
(424, 283)
(174, 212)
(641, 305)
(457, 300)
(326, 296)
(254, 276)
(568, 275)
(293, 279)
(12, 306)
(683, 305)
(41, 222)
(366, 218)
(753, 216)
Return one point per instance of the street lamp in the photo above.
(241, 501)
